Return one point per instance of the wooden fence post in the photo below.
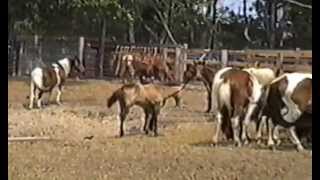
(81, 51)
(184, 60)
(280, 62)
(81, 48)
(117, 60)
(14, 58)
(177, 64)
(21, 48)
(224, 57)
(165, 53)
(298, 56)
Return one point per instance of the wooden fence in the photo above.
(114, 51)
(23, 55)
(291, 60)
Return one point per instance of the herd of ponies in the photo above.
(236, 97)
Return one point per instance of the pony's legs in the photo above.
(49, 97)
(275, 135)
(39, 98)
(246, 122)
(295, 139)
(32, 94)
(218, 128)
(145, 121)
(59, 92)
(236, 129)
(271, 128)
(155, 123)
(123, 114)
(261, 121)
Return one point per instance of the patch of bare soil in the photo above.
(85, 146)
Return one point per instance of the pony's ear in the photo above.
(205, 62)
(257, 64)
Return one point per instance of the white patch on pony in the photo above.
(36, 77)
(284, 111)
(217, 81)
(129, 58)
(56, 69)
(65, 63)
(225, 95)
(293, 110)
(264, 75)
(256, 89)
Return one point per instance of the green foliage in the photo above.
(184, 19)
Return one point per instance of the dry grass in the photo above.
(182, 151)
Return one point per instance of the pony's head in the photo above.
(77, 64)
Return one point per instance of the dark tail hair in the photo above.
(114, 97)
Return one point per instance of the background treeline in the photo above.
(263, 24)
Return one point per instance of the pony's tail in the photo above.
(114, 97)
(172, 94)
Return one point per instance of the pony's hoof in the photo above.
(246, 142)
(300, 148)
(259, 141)
(238, 144)
(278, 142)
(214, 142)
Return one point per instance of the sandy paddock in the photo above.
(85, 146)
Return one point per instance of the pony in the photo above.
(236, 94)
(289, 99)
(203, 72)
(264, 76)
(146, 96)
(46, 79)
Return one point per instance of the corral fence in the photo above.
(30, 51)
(290, 60)
(26, 52)
(176, 54)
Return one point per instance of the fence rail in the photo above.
(25, 52)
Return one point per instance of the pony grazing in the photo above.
(147, 96)
(236, 94)
(289, 98)
(46, 79)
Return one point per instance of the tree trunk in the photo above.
(102, 46)
(165, 23)
(272, 21)
(131, 32)
(213, 24)
(191, 36)
(245, 12)
(204, 38)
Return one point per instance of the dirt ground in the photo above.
(85, 146)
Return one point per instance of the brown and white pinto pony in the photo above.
(46, 79)
(146, 96)
(264, 76)
(289, 98)
(236, 94)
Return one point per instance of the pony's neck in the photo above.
(66, 64)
